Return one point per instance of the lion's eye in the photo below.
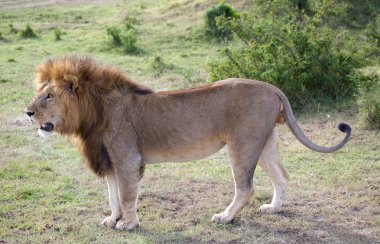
(48, 97)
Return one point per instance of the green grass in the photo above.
(47, 194)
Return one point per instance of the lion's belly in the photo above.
(184, 153)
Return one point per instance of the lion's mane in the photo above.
(86, 88)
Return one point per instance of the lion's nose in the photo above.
(30, 113)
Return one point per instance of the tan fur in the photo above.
(121, 126)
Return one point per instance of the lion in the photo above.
(120, 126)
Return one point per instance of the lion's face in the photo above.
(46, 109)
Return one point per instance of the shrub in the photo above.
(212, 29)
(307, 61)
(125, 39)
(1, 36)
(369, 101)
(114, 33)
(129, 40)
(57, 34)
(28, 32)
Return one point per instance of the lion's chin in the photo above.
(46, 130)
(44, 133)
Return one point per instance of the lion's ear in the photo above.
(72, 82)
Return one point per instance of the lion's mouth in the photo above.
(47, 127)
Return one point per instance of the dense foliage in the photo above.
(212, 29)
(124, 38)
(28, 32)
(293, 51)
(57, 34)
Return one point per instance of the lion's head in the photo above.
(55, 106)
(72, 92)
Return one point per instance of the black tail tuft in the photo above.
(343, 127)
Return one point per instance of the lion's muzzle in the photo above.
(48, 127)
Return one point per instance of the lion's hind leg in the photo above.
(270, 162)
(244, 157)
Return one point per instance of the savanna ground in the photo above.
(47, 194)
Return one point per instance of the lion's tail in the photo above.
(298, 133)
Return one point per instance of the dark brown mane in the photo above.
(85, 88)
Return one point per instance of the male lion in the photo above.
(121, 126)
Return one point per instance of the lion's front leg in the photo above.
(113, 192)
(121, 144)
(128, 181)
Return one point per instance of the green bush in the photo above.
(57, 34)
(307, 61)
(125, 38)
(28, 32)
(114, 32)
(129, 40)
(369, 101)
(212, 29)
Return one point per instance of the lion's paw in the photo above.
(222, 218)
(109, 222)
(269, 209)
(126, 224)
